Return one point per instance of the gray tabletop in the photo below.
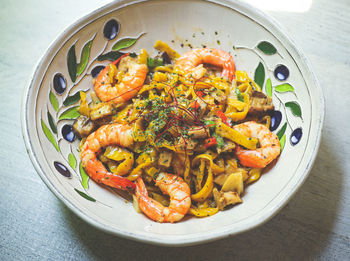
(315, 225)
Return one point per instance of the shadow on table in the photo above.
(300, 231)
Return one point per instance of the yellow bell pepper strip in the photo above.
(187, 176)
(112, 69)
(164, 47)
(254, 175)
(256, 86)
(216, 169)
(200, 175)
(160, 77)
(242, 76)
(122, 116)
(202, 205)
(205, 212)
(206, 190)
(237, 137)
(146, 88)
(245, 88)
(84, 106)
(119, 154)
(237, 110)
(163, 69)
(142, 57)
(146, 159)
(160, 198)
(138, 133)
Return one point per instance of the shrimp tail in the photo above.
(251, 159)
(107, 178)
(149, 206)
(121, 57)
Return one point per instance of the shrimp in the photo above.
(113, 134)
(192, 62)
(180, 198)
(269, 149)
(129, 86)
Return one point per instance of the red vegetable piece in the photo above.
(200, 94)
(210, 142)
(223, 117)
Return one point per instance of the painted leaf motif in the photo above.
(51, 122)
(84, 177)
(282, 141)
(49, 135)
(110, 56)
(295, 108)
(53, 101)
(125, 43)
(72, 160)
(281, 132)
(72, 63)
(84, 195)
(286, 87)
(259, 75)
(84, 57)
(266, 48)
(72, 99)
(69, 114)
(269, 87)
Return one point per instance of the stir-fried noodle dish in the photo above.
(183, 134)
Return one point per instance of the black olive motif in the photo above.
(296, 136)
(281, 72)
(111, 29)
(59, 83)
(67, 133)
(62, 169)
(275, 120)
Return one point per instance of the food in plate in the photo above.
(183, 134)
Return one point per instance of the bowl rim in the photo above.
(204, 236)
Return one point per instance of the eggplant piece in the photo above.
(83, 126)
(165, 158)
(260, 103)
(101, 110)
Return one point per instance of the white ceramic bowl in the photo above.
(259, 47)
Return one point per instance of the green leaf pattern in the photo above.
(84, 177)
(259, 75)
(286, 87)
(110, 56)
(72, 99)
(51, 122)
(49, 135)
(124, 43)
(84, 57)
(282, 141)
(71, 113)
(53, 101)
(294, 107)
(268, 87)
(72, 63)
(267, 48)
(84, 195)
(281, 132)
(72, 160)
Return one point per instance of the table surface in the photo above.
(315, 225)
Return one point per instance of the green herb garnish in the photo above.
(239, 95)
(154, 62)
